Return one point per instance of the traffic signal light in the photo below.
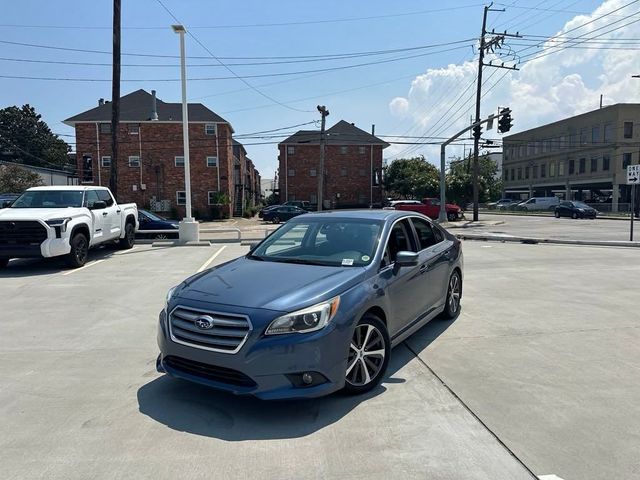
(505, 122)
(477, 132)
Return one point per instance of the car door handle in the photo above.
(118, 211)
(424, 267)
(104, 214)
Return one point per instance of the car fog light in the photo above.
(307, 378)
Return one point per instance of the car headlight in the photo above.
(175, 225)
(59, 223)
(307, 320)
(581, 209)
(169, 296)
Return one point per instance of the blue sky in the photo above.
(396, 104)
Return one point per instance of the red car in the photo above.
(431, 208)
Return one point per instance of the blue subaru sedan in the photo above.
(314, 308)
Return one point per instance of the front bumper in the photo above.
(268, 367)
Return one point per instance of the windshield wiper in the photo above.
(255, 257)
(301, 261)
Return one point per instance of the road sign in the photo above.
(633, 174)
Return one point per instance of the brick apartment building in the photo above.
(150, 154)
(353, 167)
(246, 180)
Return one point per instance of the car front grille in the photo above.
(209, 372)
(227, 334)
(22, 233)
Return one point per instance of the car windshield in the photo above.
(580, 205)
(152, 216)
(335, 242)
(49, 199)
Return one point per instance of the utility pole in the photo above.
(495, 42)
(323, 113)
(115, 99)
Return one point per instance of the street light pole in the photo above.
(188, 226)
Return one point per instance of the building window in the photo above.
(572, 167)
(543, 171)
(526, 173)
(563, 142)
(87, 169)
(552, 169)
(522, 152)
(181, 197)
(134, 161)
(105, 128)
(313, 172)
(210, 129)
(608, 132)
(133, 129)
(583, 136)
(361, 150)
(573, 139)
(212, 161)
(531, 149)
(538, 147)
(313, 198)
(291, 172)
(344, 150)
(583, 165)
(606, 160)
(106, 161)
(561, 169)
(291, 150)
(179, 161)
(212, 197)
(595, 134)
(535, 171)
(519, 173)
(545, 146)
(594, 164)
(626, 160)
(628, 129)
(513, 174)
(343, 172)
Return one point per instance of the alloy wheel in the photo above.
(454, 294)
(161, 236)
(366, 355)
(81, 250)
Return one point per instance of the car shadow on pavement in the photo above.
(196, 409)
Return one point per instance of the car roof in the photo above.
(361, 214)
(80, 188)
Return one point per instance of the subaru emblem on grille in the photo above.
(204, 322)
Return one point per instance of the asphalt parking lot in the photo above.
(541, 368)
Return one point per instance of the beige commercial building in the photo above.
(579, 158)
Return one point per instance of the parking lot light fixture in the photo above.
(188, 226)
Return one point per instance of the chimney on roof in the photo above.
(353, 124)
(373, 129)
(154, 106)
(100, 102)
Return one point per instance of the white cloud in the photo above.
(399, 106)
(546, 89)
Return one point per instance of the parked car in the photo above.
(575, 209)
(431, 208)
(539, 203)
(6, 199)
(298, 203)
(394, 203)
(267, 208)
(64, 220)
(501, 204)
(152, 221)
(282, 213)
(313, 323)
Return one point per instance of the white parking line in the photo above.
(549, 477)
(69, 272)
(211, 259)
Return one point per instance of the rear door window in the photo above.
(426, 234)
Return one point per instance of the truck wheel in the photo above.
(4, 262)
(79, 250)
(129, 237)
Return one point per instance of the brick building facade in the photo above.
(353, 167)
(150, 154)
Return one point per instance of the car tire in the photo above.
(574, 215)
(452, 217)
(4, 262)
(79, 250)
(275, 220)
(557, 214)
(454, 295)
(367, 362)
(161, 236)
(129, 237)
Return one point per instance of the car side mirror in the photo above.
(99, 205)
(6, 204)
(406, 259)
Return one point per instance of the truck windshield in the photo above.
(49, 199)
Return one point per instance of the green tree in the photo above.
(459, 180)
(412, 177)
(25, 138)
(14, 179)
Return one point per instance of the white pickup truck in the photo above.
(64, 220)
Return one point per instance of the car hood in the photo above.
(270, 285)
(38, 213)
(451, 206)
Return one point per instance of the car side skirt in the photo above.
(416, 325)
